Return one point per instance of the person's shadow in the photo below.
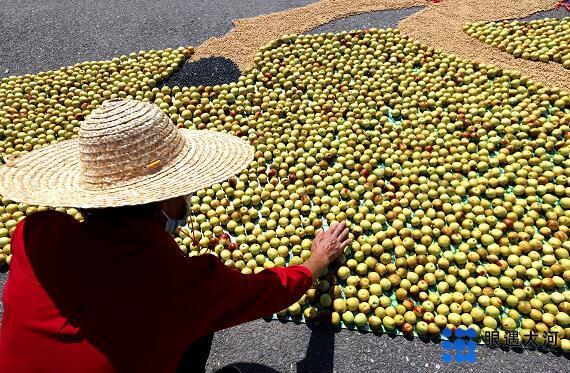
(319, 357)
(320, 352)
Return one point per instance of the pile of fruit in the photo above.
(540, 40)
(453, 176)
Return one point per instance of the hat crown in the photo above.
(123, 140)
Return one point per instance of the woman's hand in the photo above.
(326, 247)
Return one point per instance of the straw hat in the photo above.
(128, 153)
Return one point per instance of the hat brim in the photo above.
(50, 176)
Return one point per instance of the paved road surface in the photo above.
(48, 34)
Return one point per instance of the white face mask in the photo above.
(172, 224)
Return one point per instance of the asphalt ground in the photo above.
(50, 34)
(44, 35)
(290, 347)
(380, 19)
(3, 277)
(560, 13)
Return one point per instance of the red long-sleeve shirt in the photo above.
(100, 297)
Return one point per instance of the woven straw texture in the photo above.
(128, 153)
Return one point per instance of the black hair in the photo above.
(113, 213)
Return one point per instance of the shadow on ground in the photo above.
(206, 71)
(320, 351)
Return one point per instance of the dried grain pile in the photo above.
(440, 26)
(243, 42)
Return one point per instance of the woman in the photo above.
(115, 293)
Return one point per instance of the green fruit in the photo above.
(422, 328)
(360, 320)
(374, 301)
(4, 241)
(339, 305)
(294, 309)
(186, 114)
(352, 304)
(565, 343)
(490, 322)
(325, 300)
(388, 323)
(343, 273)
(375, 322)
(335, 319)
(563, 319)
(348, 317)
(310, 313)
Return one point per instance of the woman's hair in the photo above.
(112, 213)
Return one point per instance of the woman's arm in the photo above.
(241, 298)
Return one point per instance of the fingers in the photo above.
(318, 237)
(339, 235)
(340, 228)
(337, 232)
(337, 228)
(343, 235)
(345, 243)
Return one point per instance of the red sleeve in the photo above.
(235, 298)
(249, 297)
